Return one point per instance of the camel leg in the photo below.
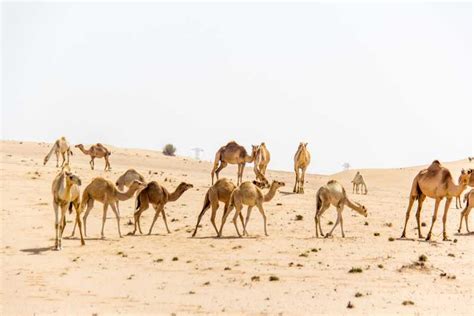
(338, 220)
(64, 159)
(297, 176)
(466, 218)
(435, 214)
(57, 159)
(104, 217)
(407, 215)
(353, 187)
(91, 163)
(78, 221)
(157, 212)
(201, 215)
(445, 217)
(421, 199)
(164, 218)
(262, 211)
(301, 188)
(90, 205)
(342, 221)
(238, 209)
(117, 215)
(227, 211)
(319, 213)
(461, 217)
(56, 226)
(222, 165)
(249, 210)
(136, 218)
(61, 224)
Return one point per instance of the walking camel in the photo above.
(97, 151)
(127, 179)
(262, 159)
(251, 195)
(302, 159)
(158, 196)
(437, 183)
(232, 153)
(333, 193)
(469, 200)
(61, 146)
(358, 182)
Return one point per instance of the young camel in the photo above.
(66, 194)
(302, 159)
(333, 193)
(61, 146)
(251, 195)
(158, 196)
(437, 183)
(469, 200)
(96, 151)
(458, 197)
(127, 179)
(358, 182)
(232, 153)
(262, 159)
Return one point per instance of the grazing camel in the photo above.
(437, 183)
(302, 160)
(61, 146)
(127, 179)
(232, 153)
(106, 192)
(469, 200)
(96, 151)
(334, 193)
(158, 196)
(66, 194)
(458, 197)
(358, 182)
(251, 195)
(262, 159)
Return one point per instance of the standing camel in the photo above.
(262, 159)
(458, 197)
(61, 146)
(469, 200)
(97, 151)
(302, 160)
(437, 183)
(358, 182)
(232, 153)
(127, 179)
(251, 195)
(333, 193)
(158, 196)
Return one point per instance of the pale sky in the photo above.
(376, 85)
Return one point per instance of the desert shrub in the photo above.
(169, 150)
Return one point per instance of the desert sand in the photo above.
(174, 273)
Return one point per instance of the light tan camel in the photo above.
(219, 192)
(469, 200)
(158, 196)
(437, 183)
(249, 194)
(333, 193)
(302, 160)
(66, 194)
(105, 192)
(97, 151)
(458, 197)
(61, 146)
(262, 159)
(232, 153)
(359, 183)
(127, 179)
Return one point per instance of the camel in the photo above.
(127, 179)
(251, 195)
(232, 153)
(458, 197)
(96, 151)
(469, 200)
(66, 194)
(333, 193)
(358, 182)
(262, 159)
(302, 160)
(61, 146)
(158, 196)
(437, 183)
(105, 192)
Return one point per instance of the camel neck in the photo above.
(85, 151)
(455, 189)
(127, 195)
(176, 194)
(270, 194)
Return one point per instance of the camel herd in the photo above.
(434, 182)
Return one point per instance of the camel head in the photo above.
(259, 184)
(183, 186)
(72, 178)
(465, 177)
(362, 210)
(137, 185)
(277, 184)
(79, 146)
(255, 150)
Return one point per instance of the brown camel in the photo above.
(127, 179)
(61, 146)
(262, 159)
(333, 193)
(232, 153)
(358, 183)
(458, 198)
(469, 200)
(97, 151)
(66, 194)
(437, 183)
(302, 160)
(251, 195)
(158, 196)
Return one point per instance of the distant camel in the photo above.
(302, 159)
(232, 153)
(249, 194)
(61, 146)
(66, 194)
(470, 158)
(458, 197)
(469, 200)
(358, 182)
(96, 151)
(437, 183)
(127, 179)
(158, 196)
(333, 193)
(262, 159)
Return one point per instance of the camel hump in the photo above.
(232, 143)
(332, 181)
(435, 165)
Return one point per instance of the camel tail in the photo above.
(216, 164)
(70, 208)
(56, 144)
(318, 202)
(207, 202)
(84, 201)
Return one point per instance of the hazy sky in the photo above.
(374, 85)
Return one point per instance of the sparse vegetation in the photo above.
(355, 270)
(376, 234)
(422, 258)
(274, 278)
(330, 223)
(175, 259)
(299, 218)
(359, 294)
(169, 150)
(391, 239)
(380, 266)
(255, 278)
(405, 303)
(350, 305)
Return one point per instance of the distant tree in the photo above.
(346, 166)
(169, 150)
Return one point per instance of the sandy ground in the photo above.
(137, 274)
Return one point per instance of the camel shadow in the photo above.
(287, 193)
(223, 237)
(37, 251)
(464, 234)
(85, 238)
